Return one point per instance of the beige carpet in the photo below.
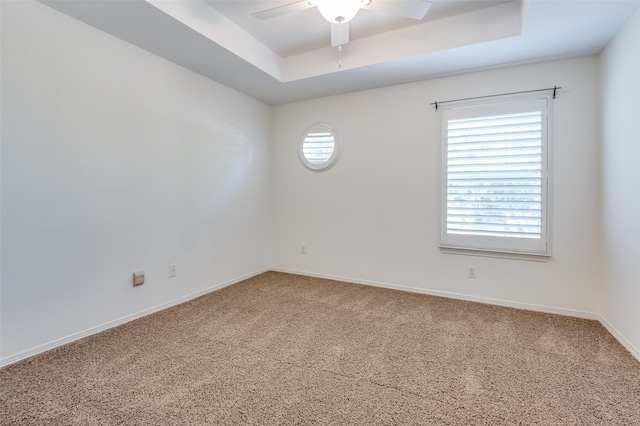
(285, 349)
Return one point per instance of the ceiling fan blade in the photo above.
(282, 10)
(339, 34)
(414, 9)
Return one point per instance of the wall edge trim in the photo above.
(12, 359)
(452, 295)
(510, 304)
(620, 337)
(635, 352)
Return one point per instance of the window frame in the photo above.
(333, 158)
(506, 247)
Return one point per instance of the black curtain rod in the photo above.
(554, 88)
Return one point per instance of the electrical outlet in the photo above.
(303, 248)
(472, 272)
(138, 278)
(173, 270)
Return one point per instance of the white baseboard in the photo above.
(451, 295)
(620, 338)
(119, 321)
(546, 309)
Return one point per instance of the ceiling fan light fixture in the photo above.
(339, 11)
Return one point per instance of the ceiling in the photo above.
(289, 58)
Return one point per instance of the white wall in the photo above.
(375, 216)
(114, 160)
(620, 297)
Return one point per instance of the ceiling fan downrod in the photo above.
(340, 45)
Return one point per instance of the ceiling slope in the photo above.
(222, 41)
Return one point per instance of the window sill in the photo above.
(503, 254)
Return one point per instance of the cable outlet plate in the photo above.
(138, 278)
(173, 270)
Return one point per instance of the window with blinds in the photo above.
(495, 185)
(319, 147)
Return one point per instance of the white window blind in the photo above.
(495, 192)
(318, 146)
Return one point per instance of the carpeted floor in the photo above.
(286, 349)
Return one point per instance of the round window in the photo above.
(319, 147)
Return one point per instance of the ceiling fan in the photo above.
(340, 12)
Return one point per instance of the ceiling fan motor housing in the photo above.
(341, 11)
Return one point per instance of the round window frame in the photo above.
(335, 155)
